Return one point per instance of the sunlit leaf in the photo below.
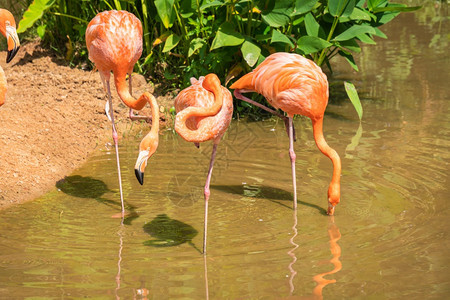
(354, 31)
(34, 12)
(227, 36)
(41, 30)
(162, 38)
(360, 14)
(303, 6)
(311, 44)
(312, 27)
(212, 4)
(278, 37)
(341, 8)
(165, 12)
(279, 15)
(354, 98)
(171, 42)
(250, 52)
(195, 44)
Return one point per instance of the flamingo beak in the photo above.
(330, 210)
(13, 42)
(141, 163)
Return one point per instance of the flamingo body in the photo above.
(8, 30)
(295, 85)
(204, 112)
(200, 128)
(114, 42)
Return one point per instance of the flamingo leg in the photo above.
(116, 144)
(292, 156)
(238, 95)
(207, 193)
(132, 116)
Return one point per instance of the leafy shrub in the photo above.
(185, 38)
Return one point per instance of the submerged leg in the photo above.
(292, 156)
(238, 95)
(207, 193)
(116, 144)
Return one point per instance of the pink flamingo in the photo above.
(204, 112)
(295, 85)
(8, 30)
(114, 42)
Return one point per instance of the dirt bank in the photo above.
(52, 120)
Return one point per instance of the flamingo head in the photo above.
(211, 81)
(141, 162)
(334, 196)
(8, 29)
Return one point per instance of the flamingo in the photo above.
(295, 85)
(114, 42)
(8, 29)
(204, 112)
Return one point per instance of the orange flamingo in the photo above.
(295, 85)
(114, 42)
(204, 112)
(8, 29)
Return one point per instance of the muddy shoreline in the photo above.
(52, 120)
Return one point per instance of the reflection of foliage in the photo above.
(168, 232)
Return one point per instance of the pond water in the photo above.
(388, 240)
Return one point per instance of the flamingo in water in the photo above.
(204, 112)
(295, 85)
(114, 42)
(8, 29)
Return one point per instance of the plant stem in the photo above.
(330, 34)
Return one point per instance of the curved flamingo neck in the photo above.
(124, 93)
(327, 150)
(212, 84)
(152, 136)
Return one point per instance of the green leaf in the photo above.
(250, 52)
(226, 36)
(351, 45)
(365, 39)
(34, 12)
(279, 15)
(354, 31)
(311, 44)
(278, 37)
(360, 14)
(165, 12)
(195, 45)
(372, 4)
(171, 42)
(41, 30)
(341, 8)
(392, 8)
(354, 98)
(212, 4)
(349, 58)
(303, 6)
(379, 33)
(312, 27)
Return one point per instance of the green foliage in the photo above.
(185, 38)
(33, 13)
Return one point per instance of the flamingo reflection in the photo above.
(334, 235)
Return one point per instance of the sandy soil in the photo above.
(52, 120)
